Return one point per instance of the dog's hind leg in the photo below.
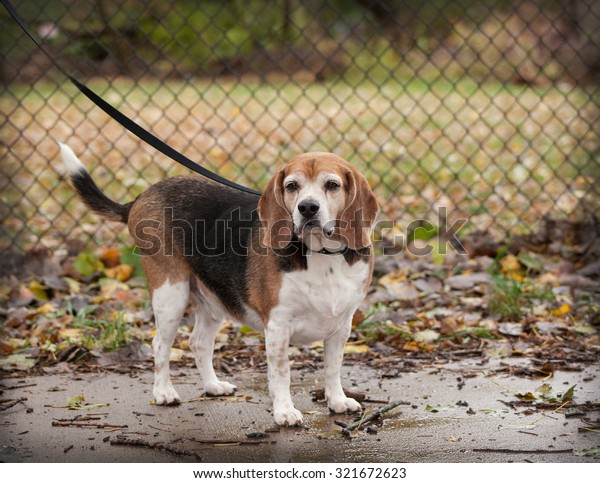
(168, 302)
(202, 342)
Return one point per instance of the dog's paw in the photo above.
(219, 388)
(288, 417)
(344, 405)
(165, 396)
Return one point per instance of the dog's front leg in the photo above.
(334, 354)
(277, 340)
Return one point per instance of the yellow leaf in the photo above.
(46, 308)
(185, 345)
(122, 273)
(517, 276)
(38, 290)
(564, 309)
(109, 287)
(509, 264)
(179, 354)
(393, 277)
(74, 285)
(411, 346)
(70, 333)
(356, 349)
(176, 354)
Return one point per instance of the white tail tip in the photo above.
(71, 162)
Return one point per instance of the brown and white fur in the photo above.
(295, 263)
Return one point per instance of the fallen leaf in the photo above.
(593, 452)
(584, 329)
(510, 328)
(38, 290)
(467, 280)
(403, 291)
(45, 309)
(108, 287)
(427, 335)
(438, 408)
(548, 279)
(528, 396)
(530, 261)
(356, 349)
(393, 277)
(438, 312)
(544, 390)
(546, 328)
(568, 396)
(5, 291)
(122, 273)
(86, 263)
(110, 257)
(178, 354)
(415, 346)
(74, 285)
(56, 283)
(429, 285)
(77, 403)
(510, 264)
(70, 333)
(562, 310)
(17, 362)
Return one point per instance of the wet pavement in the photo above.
(448, 417)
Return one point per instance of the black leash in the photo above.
(122, 119)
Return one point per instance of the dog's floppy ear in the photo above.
(358, 218)
(275, 217)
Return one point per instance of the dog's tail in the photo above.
(89, 192)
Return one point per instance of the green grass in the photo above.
(108, 333)
(511, 298)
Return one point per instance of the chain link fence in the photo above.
(488, 108)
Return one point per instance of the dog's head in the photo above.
(320, 198)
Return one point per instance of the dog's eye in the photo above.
(292, 186)
(332, 185)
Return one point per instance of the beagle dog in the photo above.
(295, 262)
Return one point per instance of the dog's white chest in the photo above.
(316, 302)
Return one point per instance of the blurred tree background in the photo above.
(530, 41)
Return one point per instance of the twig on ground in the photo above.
(18, 386)
(319, 395)
(516, 451)
(9, 403)
(87, 424)
(226, 442)
(159, 446)
(374, 415)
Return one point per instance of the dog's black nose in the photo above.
(308, 208)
